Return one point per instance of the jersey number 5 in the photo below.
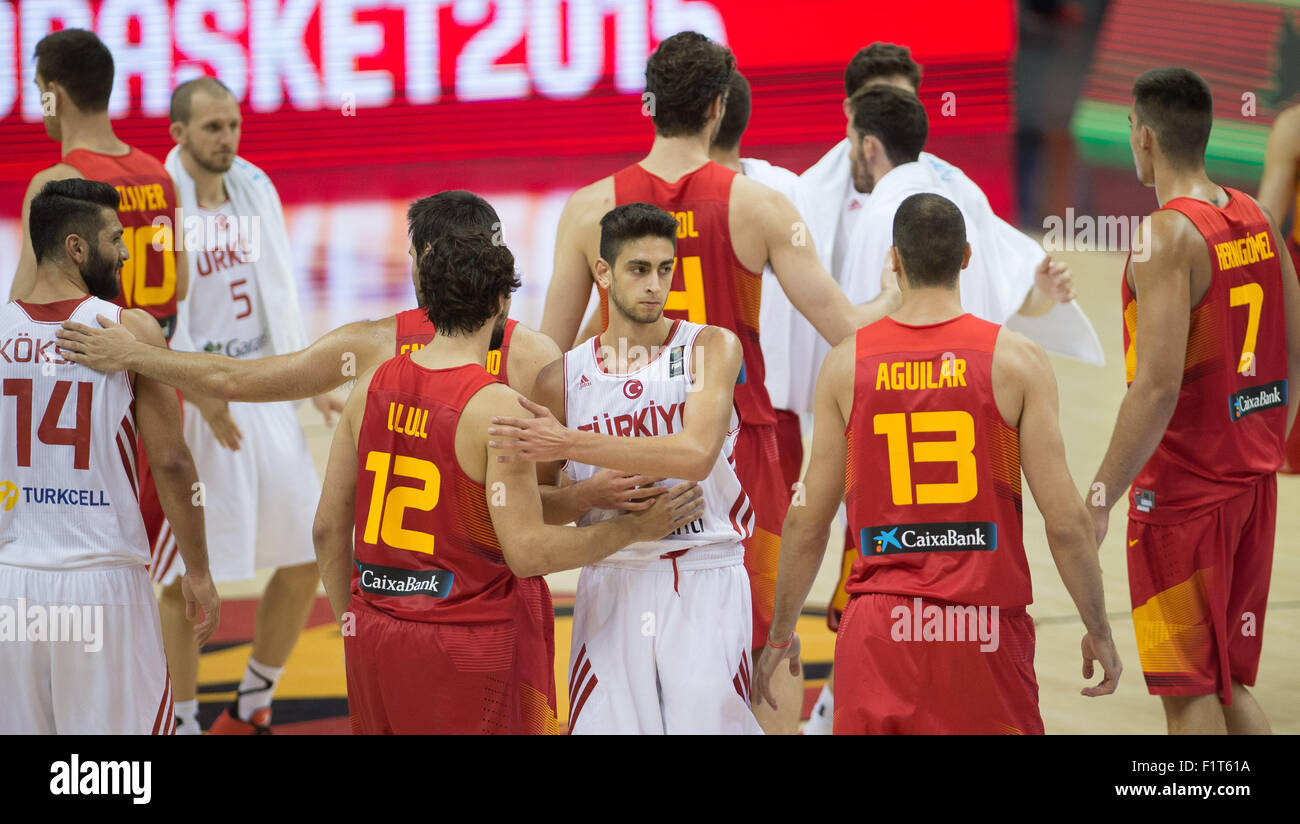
(388, 506)
(959, 450)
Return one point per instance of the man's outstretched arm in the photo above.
(335, 358)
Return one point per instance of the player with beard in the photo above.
(71, 533)
(431, 547)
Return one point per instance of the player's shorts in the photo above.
(888, 686)
(789, 445)
(85, 653)
(259, 501)
(1292, 464)
(415, 677)
(758, 461)
(1199, 590)
(663, 647)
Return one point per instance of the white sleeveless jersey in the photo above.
(68, 484)
(226, 315)
(651, 402)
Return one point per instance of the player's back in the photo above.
(651, 402)
(147, 193)
(68, 476)
(947, 524)
(710, 284)
(1229, 425)
(425, 546)
(415, 331)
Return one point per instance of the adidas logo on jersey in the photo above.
(584, 383)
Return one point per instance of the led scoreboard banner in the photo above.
(336, 91)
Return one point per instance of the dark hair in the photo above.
(429, 218)
(80, 63)
(894, 116)
(462, 278)
(184, 94)
(1176, 104)
(684, 76)
(633, 221)
(880, 60)
(930, 235)
(735, 117)
(68, 207)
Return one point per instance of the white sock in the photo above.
(187, 717)
(821, 721)
(256, 688)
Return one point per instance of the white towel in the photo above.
(252, 194)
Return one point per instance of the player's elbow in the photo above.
(698, 464)
(221, 384)
(522, 559)
(326, 532)
(1070, 531)
(171, 460)
(802, 530)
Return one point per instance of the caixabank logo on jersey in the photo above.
(1257, 399)
(964, 536)
(386, 580)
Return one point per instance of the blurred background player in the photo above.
(260, 484)
(1212, 343)
(932, 368)
(730, 227)
(75, 436)
(1279, 197)
(74, 72)
(338, 356)
(664, 389)
(448, 626)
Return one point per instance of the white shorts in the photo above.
(81, 652)
(661, 648)
(259, 502)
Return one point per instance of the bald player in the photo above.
(1279, 196)
(1212, 345)
(730, 229)
(931, 414)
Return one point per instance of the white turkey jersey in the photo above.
(651, 402)
(68, 480)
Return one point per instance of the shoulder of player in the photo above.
(1021, 356)
(533, 344)
(493, 400)
(594, 199)
(751, 198)
(59, 171)
(141, 324)
(1287, 125)
(1167, 234)
(717, 339)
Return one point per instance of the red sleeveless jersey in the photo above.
(146, 192)
(1230, 423)
(933, 473)
(709, 283)
(414, 331)
(425, 546)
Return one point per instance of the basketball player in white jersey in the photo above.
(73, 553)
(260, 481)
(661, 629)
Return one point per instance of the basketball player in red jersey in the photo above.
(1279, 195)
(447, 624)
(1212, 345)
(731, 227)
(935, 638)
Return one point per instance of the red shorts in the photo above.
(1292, 463)
(888, 686)
(413, 677)
(758, 462)
(789, 445)
(1199, 589)
(840, 598)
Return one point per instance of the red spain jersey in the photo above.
(710, 286)
(146, 192)
(414, 331)
(1230, 423)
(933, 474)
(425, 546)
